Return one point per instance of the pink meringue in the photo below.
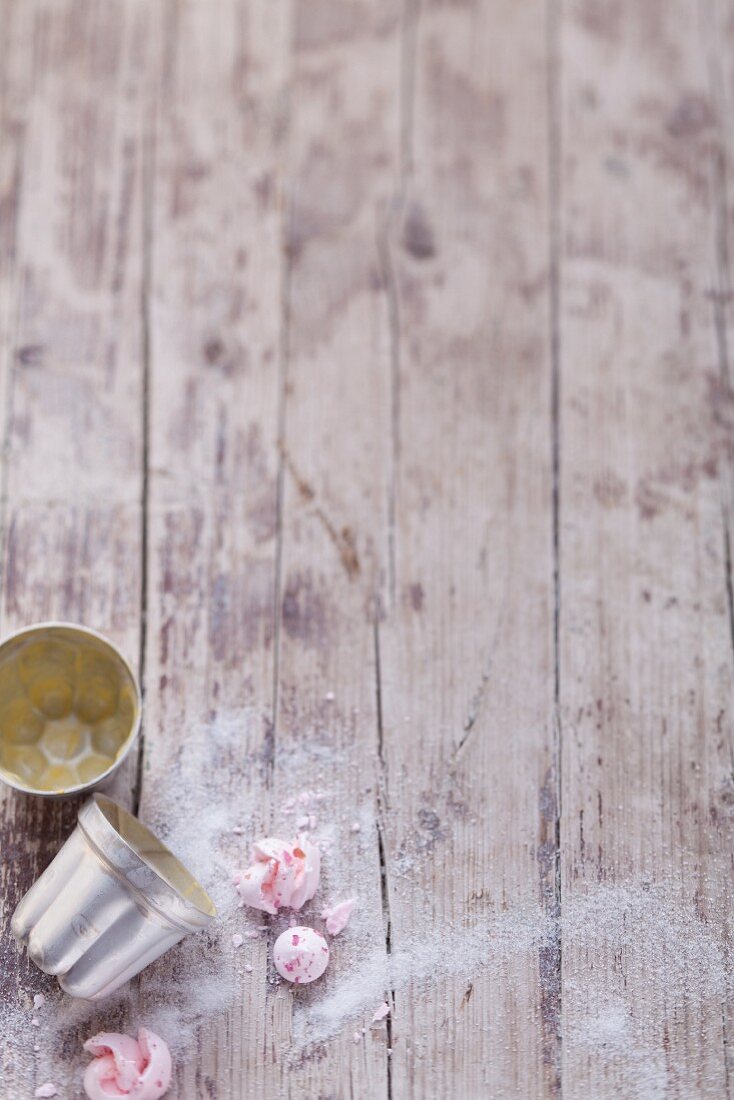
(301, 955)
(337, 916)
(282, 874)
(124, 1066)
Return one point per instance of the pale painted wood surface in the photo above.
(366, 376)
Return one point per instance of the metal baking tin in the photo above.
(112, 901)
(67, 630)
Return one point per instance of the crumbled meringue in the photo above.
(337, 916)
(282, 874)
(124, 1066)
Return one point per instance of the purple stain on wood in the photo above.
(30, 355)
(431, 830)
(602, 18)
(418, 237)
(691, 116)
(304, 610)
(323, 23)
(609, 490)
(416, 596)
(214, 351)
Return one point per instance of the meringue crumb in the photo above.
(337, 916)
(38, 1000)
(357, 1036)
(36, 1048)
(329, 697)
(237, 940)
(34, 1021)
(47, 1090)
(355, 827)
(381, 1012)
(238, 830)
(248, 968)
(252, 934)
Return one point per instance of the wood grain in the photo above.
(466, 652)
(72, 375)
(365, 370)
(342, 161)
(646, 670)
(215, 344)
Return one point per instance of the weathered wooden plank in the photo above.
(215, 332)
(646, 662)
(73, 373)
(466, 653)
(343, 152)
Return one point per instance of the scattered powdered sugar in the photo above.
(659, 933)
(612, 1033)
(663, 961)
(669, 961)
(427, 958)
(192, 817)
(670, 968)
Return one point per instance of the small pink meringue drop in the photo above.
(283, 874)
(301, 955)
(124, 1066)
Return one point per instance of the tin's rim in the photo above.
(191, 906)
(81, 788)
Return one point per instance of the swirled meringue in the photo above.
(123, 1066)
(282, 874)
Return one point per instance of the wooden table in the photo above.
(366, 375)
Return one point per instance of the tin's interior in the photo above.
(156, 855)
(68, 707)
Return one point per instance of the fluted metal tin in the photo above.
(112, 901)
(23, 749)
